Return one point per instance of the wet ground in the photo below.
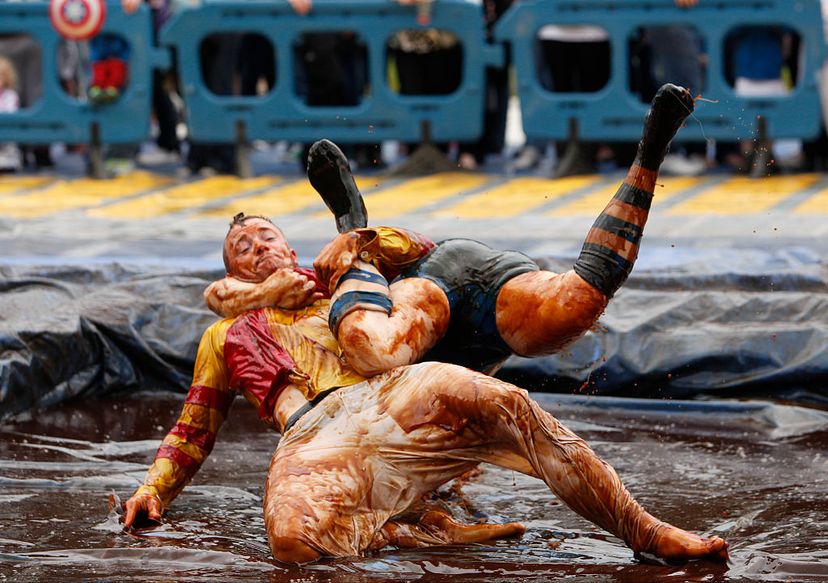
(756, 475)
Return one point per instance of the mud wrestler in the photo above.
(357, 453)
(460, 301)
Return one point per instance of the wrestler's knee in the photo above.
(459, 389)
(289, 549)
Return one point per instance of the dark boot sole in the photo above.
(330, 175)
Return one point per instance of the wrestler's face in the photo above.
(256, 249)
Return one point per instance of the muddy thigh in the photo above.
(450, 418)
(345, 469)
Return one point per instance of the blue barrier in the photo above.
(616, 113)
(58, 117)
(283, 115)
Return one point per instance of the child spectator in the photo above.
(109, 56)
(9, 103)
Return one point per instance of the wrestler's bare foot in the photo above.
(458, 533)
(436, 527)
(674, 544)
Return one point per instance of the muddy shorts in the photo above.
(471, 274)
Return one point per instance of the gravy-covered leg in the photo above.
(540, 312)
(437, 527)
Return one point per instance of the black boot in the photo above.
(330, 174)
(671, 106)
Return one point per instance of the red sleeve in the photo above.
(392, 250)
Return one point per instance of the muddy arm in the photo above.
(286, 288)
(388, 249)
(190, 441)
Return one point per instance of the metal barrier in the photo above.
(616, 113)
(283, 115)
(58, 117)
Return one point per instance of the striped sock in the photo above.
(611, 246)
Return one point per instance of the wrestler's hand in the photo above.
(289, 289)
(142, 508)
(336, 258)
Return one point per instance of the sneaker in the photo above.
(678, 165)
(111, 94)
(115, 167)
(159, 157)
(96, 94)
(330, 174)
(528, 157)
(467, 161)
(10, 158)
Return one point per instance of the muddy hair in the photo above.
(239, 219)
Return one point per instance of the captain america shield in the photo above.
(77, 19)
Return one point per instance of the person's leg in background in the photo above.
(323, 57)
(494, 121)
(166, 116)
(676, 57)
(219, 57)
(578, 60)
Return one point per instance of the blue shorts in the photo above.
(471, 274)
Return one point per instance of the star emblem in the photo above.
(75, 11)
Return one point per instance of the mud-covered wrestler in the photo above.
(357, 453)
(460, 301)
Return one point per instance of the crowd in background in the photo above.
(332, 70)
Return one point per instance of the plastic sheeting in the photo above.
(69, 331)
(677, 332)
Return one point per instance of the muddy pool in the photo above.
(753, 473)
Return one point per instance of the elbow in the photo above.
(370, 355)
(212, 300)
(369, 363)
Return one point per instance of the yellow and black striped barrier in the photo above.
(142, 195)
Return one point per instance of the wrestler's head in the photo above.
(254, 248)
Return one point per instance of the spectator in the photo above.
(25, 54)
(427, 61)
(219, 58)
(9, 103)
(334, 73)
(225, 73)
(163, 88)
(816, 152)
(575, 59)
(676, 55)
(496, 99)
(109, 56)
(757, 59)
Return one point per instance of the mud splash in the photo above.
(753, 475)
